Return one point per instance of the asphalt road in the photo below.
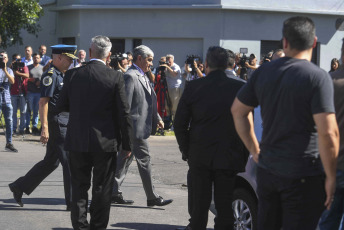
(45, 208)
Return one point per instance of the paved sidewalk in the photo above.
(45, 209)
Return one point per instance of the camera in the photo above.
(116, 58)
(2, 63)
(243, 60)
(190, 60)
(266, 59)
(161, 69)
(17, 65)
(163, 63)
(242, 63)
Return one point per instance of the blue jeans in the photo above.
(32, 101)
(333, 219)
(7, 111)
(18, 101)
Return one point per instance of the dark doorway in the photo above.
(118, 45)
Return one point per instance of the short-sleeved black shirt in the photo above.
(290, 91)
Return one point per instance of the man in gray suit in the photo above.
(143, 112)
(230, 72)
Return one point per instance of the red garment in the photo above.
(18, 88)
(160, 92)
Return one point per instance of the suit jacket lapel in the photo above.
(140, 77)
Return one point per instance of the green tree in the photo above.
(16, 15)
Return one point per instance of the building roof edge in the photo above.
(194, 7)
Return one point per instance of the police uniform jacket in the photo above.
(99, 118)
(51, 86)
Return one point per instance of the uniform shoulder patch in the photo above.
(47, 80)
(51, 70)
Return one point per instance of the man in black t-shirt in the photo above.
(300, 134)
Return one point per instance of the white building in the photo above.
(184, 27)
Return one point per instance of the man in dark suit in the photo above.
(207, 138)
(99, 123)
(143, 112)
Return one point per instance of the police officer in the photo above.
(54, 127)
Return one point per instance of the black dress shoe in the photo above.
(158, 202)
(118, 199)
(17, 194)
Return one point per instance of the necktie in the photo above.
(146, 82)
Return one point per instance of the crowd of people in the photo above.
(21, 90)
(97, 115)
(168, 81)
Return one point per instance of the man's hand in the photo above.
(161, 124)
(195, 64)
(330, 187)
(126, 154)
(255, 157)
(44, 135)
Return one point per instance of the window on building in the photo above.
(118, 45)
(137, 42)
(67, 40)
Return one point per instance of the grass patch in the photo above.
(166, 133)
(3, 125)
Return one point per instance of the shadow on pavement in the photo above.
(61, 229)
(145, 226)
(133, 206)
(36, 201)
(15, 207)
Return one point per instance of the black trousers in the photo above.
(190, 200)
(54, 155)
(103, 165)
(291, 204)
(202, 180)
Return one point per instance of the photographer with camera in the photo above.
(119, 62)
(192, 69)
(251, 65)
(266, 58)
(6, 79)
(174, 84)
(160, 88)
(18, 94)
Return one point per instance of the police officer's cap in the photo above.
(69, 50)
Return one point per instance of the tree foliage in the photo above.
(16, 15)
